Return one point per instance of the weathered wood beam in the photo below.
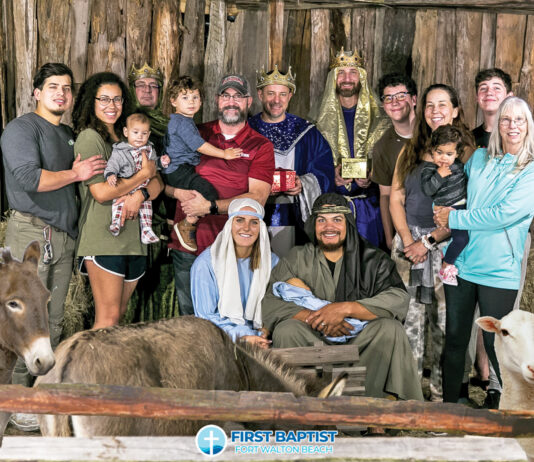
(518, 6)
(166, 403)
(276, 33)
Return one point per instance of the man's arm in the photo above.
(199, 206)
(387, 222)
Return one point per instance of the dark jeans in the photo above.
(460, 238)
(186, 177)
(461, 303)
(182, 263)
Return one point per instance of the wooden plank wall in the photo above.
(433, 45)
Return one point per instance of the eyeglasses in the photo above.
(105, 100)
(400, 96)
(237, 97)
(145, 87)
(518, 121)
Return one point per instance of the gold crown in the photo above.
(145, 72)
(346, 59)
(276, 78)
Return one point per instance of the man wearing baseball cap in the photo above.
(249, 176)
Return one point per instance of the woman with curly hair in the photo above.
(114, 264)
(416, 249)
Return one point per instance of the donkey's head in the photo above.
(23, 310)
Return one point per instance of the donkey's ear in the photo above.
(336, 387)
(32, 253)
(489, 324)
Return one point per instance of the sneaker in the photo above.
(186, 233)
(448, 275)
(24, 422)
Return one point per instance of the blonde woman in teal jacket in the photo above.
(500, 207)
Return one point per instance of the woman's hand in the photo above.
(441, 216)
(257, 340)
(339, 180)
(131, 205)
(416, 252)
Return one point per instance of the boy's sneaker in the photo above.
(448, 275)
(24, 422)
(186, 233)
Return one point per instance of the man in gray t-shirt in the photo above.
(40, 172)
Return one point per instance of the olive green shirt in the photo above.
(95, 218)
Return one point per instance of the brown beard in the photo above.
(348, 92)
(330, 247)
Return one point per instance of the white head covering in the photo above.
(224, 263)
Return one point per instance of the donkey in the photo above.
(23, 318)
(185, 352)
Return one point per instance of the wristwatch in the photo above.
(145, 193)
(428, 241)
(214, 210)
(431, 239)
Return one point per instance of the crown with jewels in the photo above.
(276, 78)
(346, 59)
(145, 72)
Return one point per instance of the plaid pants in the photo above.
(145, 212)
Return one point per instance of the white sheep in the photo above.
(514, 347)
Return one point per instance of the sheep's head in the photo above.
(514, 341)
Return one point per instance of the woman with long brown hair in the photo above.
(416, 247)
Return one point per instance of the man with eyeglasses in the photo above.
(398, 94)
(251, 175)
(298, 146)
(351, 121)
(40, 174)
(146, 89)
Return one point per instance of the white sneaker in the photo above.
(24, 422)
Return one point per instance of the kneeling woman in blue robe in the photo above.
(229, 279)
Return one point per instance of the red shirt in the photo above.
(229, 177)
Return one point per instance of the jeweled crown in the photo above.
(145, 72)
(346, 59)
(276, 78)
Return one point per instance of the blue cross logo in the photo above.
(211, 440)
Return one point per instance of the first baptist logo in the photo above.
(211, 440)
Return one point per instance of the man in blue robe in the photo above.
(298, 146)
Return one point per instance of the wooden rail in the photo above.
(78, 399)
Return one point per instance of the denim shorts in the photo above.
(130, 267)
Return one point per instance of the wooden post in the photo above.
(526, 87)
(138, 32)
(298, 56)
(25, 41)
(320, 53)
(363, 34)
(81, 20)
(214, 57)
(166, 42)
(509, 43)
(424, 47)
(192, 61)
(107, 51)
(276, 34)
(55, 28)
(468, 38)
(213, 405)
